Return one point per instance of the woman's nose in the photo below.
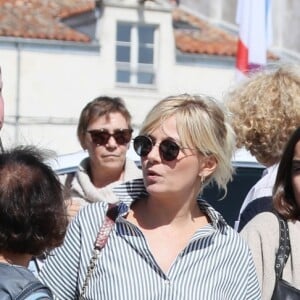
(112, 142)
(154, 154)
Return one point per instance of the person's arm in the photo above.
(60, 272)
(262, 236)
(253, 291)
(253, 239)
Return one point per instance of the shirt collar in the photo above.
(130, 191)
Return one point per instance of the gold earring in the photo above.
(202, 180)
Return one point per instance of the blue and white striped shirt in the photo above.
(216, 264)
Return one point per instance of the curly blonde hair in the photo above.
(265, 111)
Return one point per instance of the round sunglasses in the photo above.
(101, 136)
(168, 149)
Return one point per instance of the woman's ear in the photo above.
(207, 166)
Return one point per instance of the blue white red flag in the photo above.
(255, 34)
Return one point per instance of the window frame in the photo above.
(133, 66)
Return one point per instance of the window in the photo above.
(135, 54)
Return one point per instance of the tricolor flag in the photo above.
(254, 20)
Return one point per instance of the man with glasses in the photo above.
(104, 131)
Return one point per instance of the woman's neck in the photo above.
(152, 213)
(15, 258)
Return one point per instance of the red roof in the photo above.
(41, 19)
(202, 38)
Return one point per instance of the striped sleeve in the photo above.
(60, 271)
(253, 292)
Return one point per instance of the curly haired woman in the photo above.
(265, 111)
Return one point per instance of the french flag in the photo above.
(255, 34)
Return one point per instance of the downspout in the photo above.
(17, 115)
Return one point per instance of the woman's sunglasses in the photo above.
(101, 136)
(168, 149)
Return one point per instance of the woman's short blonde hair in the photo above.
(265, 111)
(201, 124)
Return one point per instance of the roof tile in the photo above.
(203, 37)
(41, 18)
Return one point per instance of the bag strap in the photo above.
(284, 248)
(100, 242)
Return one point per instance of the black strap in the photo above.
(284, 248)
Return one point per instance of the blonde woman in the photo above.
(166, 242)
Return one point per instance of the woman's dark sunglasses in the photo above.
(168, 149)
(101, 136)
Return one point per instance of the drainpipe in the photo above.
(17, 116)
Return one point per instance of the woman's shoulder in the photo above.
(264, 218)
(99, 208)
(92, 214)
(17, 280)
(263, 223)
(14, 271)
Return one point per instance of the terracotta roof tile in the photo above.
(194, 35)
(202, 38)
(40, 19)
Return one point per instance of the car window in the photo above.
(244, 178)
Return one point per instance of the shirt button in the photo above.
(167, 282)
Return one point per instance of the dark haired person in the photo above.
(166, 243)
(262, 232)
(104, 131)
(33, 219)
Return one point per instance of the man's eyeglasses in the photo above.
(168, 149)
(101, 136)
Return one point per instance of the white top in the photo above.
(263, 188)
